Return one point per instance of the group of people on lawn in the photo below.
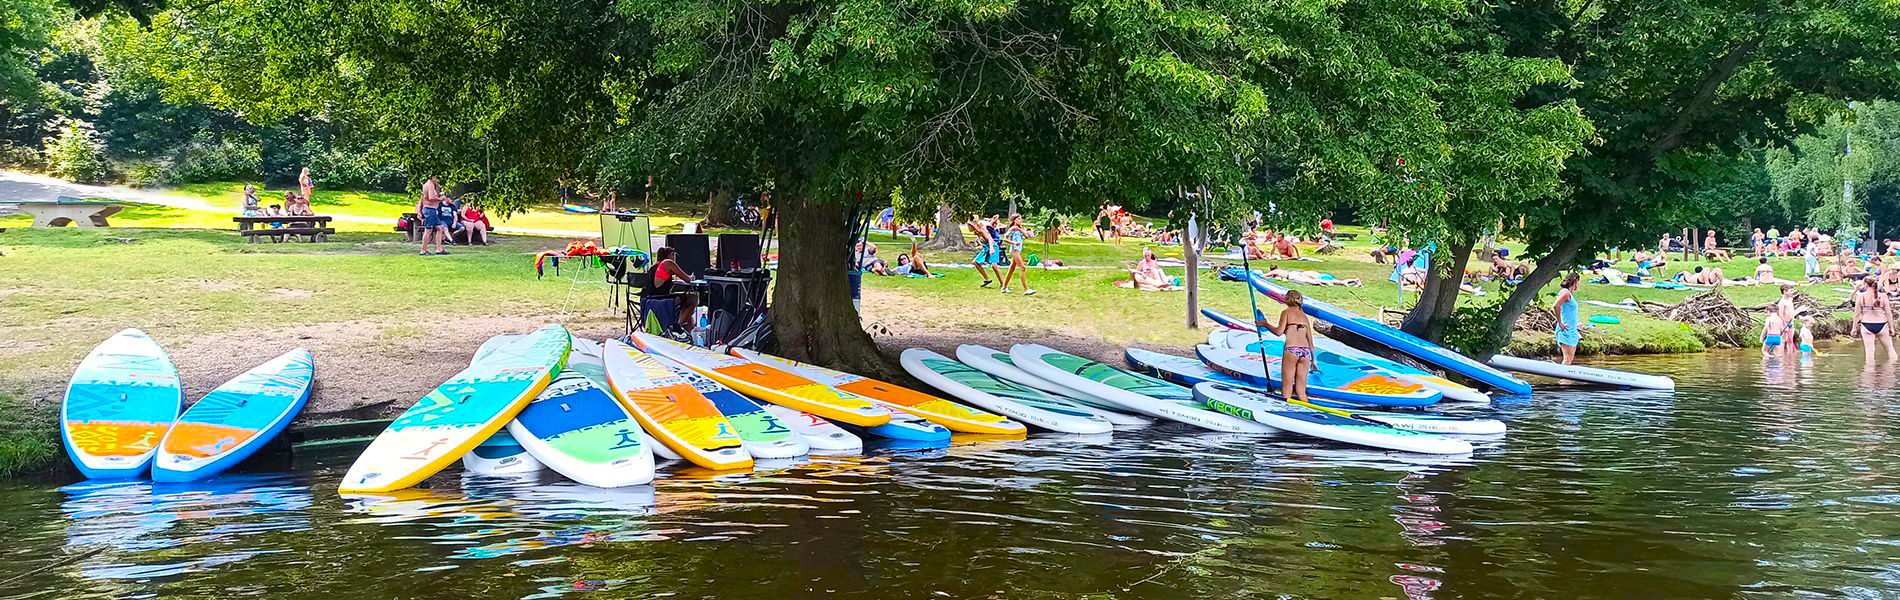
(296, 202)
(440, 216)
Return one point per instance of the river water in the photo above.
(1750, 481)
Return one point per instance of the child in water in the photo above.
(1807, 334)
(1771, 334)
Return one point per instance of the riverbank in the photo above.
(387, 325)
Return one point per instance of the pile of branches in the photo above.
(1536, 318)
(1710, 310)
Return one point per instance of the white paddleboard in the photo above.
(820, 435)
(579, 430)
(1001, 396)
(500, 455)
(1583, 373)
(1312, 422)
(1132, 391)
(998, 363)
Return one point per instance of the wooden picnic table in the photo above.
(313, 228)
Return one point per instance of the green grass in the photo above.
(386, 207)
(1084, 301)
(29, 442)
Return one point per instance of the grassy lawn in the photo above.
(385, 207)
(1083, 300)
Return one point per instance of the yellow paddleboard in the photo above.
(953, 416)
(769, 383)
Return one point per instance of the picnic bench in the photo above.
(65, 211)
(313, 228)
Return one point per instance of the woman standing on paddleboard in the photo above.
(1296, 361)
(1568, 336)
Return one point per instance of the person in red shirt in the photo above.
(476, 224)
(1326, 225)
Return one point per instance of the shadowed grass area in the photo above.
(29, 438)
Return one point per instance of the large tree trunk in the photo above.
(948, 234)
(1560, 258)
(719, 211)
(1440, 298)
(812, 316)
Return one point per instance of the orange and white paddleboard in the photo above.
(769, 383)
(672, 410)
(953, 416)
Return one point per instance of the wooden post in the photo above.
(1191, 251)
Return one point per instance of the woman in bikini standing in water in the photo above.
(1296, 362)
(1873, 312)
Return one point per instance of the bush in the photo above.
(211, 157)
(20, 157)
(1469, 330)
(77, 154)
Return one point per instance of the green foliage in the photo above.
(26, 27)
(1469, 328)
(1678, 88)
(77, 154)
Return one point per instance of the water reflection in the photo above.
(1758, 478)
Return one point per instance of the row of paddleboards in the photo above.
(1492, 374)
(122, 416)
(599, 413)
(1119, 398)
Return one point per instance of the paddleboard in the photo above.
(1136, 392)
(907, 427)
(955, 417)
(999, 364)
(232, 422)
(1399, 340)
(769, 383)
(1452, 390)
(1333, 376)
(500, 455)
(761, 433)
(672, 411)
(595, 368)
(122, 399)
(1307, 421)
(1017, 402)
(1583, 373)
(1190, 372)
(579, 430)
(459, 414)
(821, 435)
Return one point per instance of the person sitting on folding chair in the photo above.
(671, 280)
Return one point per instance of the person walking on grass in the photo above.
(1873, 312)
(1785, 308)
(1296, 360)
(1015, 236)
(1568, 333)
(305, 187)
(434, 224)
(987, 252)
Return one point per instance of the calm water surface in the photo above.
(1745, 483)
